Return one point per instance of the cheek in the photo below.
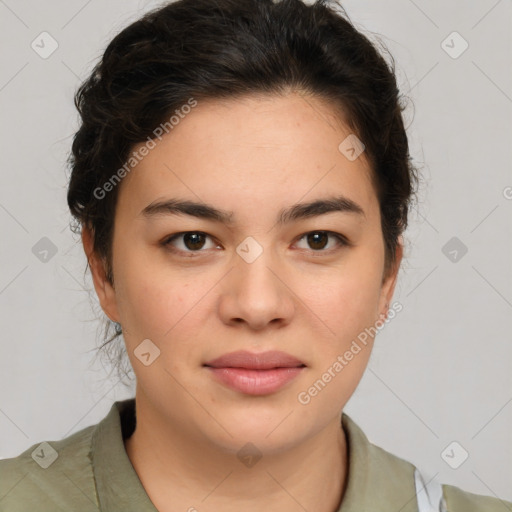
(173, 310)
(346, 307)
(346, 299)
(150, 301)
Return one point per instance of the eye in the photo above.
(318, 240)
(188, 241)
(196, 241)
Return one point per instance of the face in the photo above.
(251, 272)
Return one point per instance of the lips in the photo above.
(253, 361)
(255, 374)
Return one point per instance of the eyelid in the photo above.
(342, 241)
(167, 241)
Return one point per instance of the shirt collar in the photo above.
(117, 484)
(376, 479)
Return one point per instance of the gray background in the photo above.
(441, 370)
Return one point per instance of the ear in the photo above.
(104, 290)
(389, 282)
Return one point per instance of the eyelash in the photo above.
(342, 241)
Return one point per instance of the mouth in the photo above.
(255, 374)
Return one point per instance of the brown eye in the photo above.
(319, 240)
(193, 241)
(189, 241)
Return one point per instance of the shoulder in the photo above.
(377, 476)
(49, 476)
(434, 496)
(464, 501)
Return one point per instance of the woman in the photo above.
(242, 180)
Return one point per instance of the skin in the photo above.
(253, 156)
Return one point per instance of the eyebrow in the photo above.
(287, 215)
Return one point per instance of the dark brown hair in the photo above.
(208, 49)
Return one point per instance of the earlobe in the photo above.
(104, 289)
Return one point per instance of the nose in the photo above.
(257, 294)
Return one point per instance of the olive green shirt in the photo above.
(90, 471)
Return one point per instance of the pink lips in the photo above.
(255, 374)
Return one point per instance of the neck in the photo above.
(180, 471)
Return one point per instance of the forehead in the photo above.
(254, 148)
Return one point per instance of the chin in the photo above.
(271, 428)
